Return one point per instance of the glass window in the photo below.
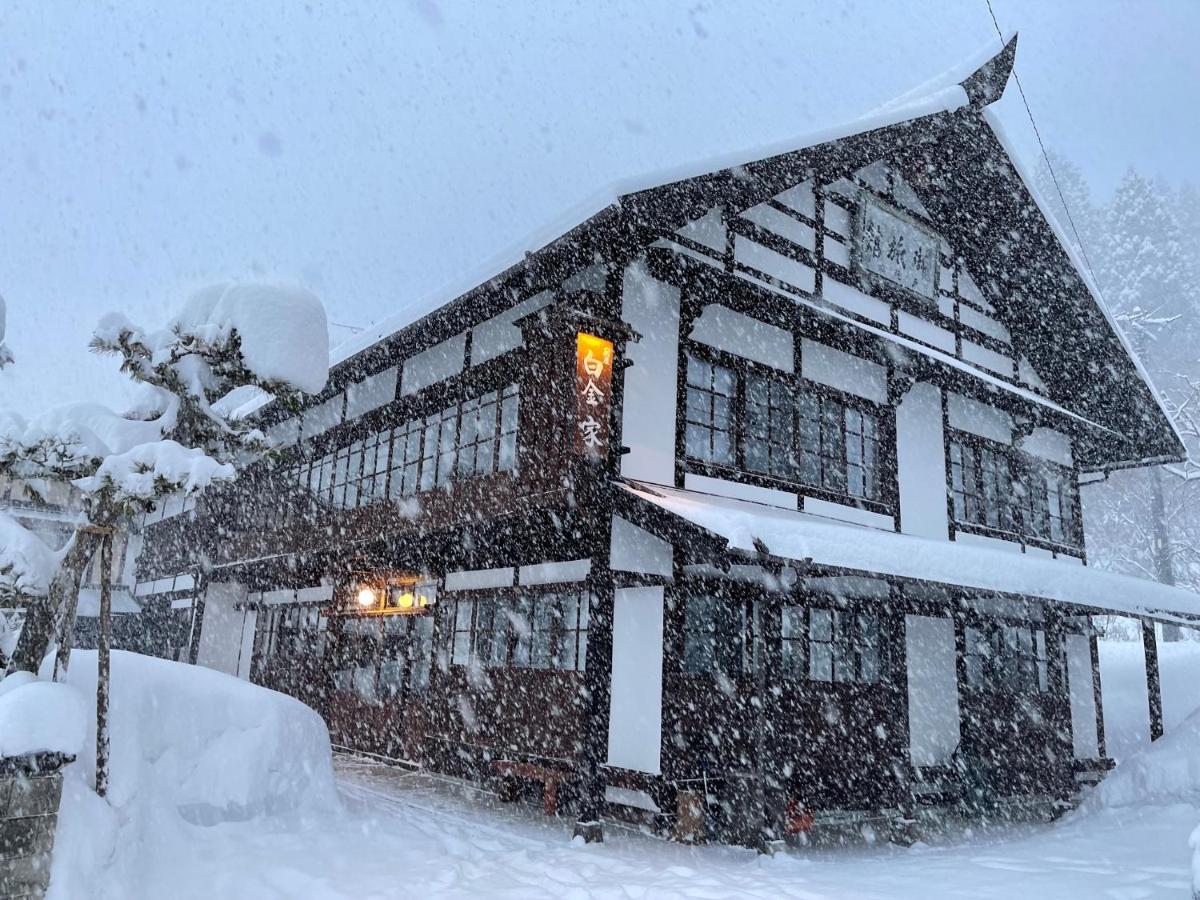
(711, 392)
(770, 427)
(405, 459)
(838, 447)
(1006, 657)
(715, 636)
(464, 612)
(793, 642)
(844, 646)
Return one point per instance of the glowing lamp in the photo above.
(367, 597)
(406, 600)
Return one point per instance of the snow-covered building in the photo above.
(760, 485)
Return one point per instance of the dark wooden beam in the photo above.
(1153, 679)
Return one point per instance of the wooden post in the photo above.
(1153, 680)
(1097, 693)
(103, 661)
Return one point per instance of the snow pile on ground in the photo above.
(40, 716)
(1195, 845)
(1168, 771)
(1123, 676)
(190, 748)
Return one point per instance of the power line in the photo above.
(1050, 167)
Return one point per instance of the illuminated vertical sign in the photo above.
(593, 395)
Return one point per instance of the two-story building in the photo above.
(751, 499)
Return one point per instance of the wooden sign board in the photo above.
(897, 248)
(593, 395)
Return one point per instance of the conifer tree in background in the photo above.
(1144, 246)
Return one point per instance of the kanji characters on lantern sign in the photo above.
(593, 394)
(893, 246)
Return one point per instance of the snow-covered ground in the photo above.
(413, 836)
(399, 834)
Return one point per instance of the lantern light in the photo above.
(367, 597)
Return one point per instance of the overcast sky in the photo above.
(375, 152)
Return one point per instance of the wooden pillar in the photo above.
(1097, 693)
(767, 659)
(1061, 726)
(598, 692)
(1153, 679)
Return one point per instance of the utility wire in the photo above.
(1050, 167)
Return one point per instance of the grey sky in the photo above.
(374, 152)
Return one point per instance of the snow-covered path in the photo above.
(406, 835)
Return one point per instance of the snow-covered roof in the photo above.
(789, 534)
(941, 94)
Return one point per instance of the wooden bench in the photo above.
(510, 770)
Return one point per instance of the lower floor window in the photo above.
(716, 636)
(831, 645)
(1007, 657)
(533, 630)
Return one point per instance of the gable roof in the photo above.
(976, 196)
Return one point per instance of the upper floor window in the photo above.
(786, 429)
(839, 447)
(711, 395)
(998, 487)
(475, 437)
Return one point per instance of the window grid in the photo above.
(711, 393)
(1006, 657)
(770, 427)
(543, 630)
(843, 646)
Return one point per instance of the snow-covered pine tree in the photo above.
(179, 438)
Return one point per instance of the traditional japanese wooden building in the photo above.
(752, 498)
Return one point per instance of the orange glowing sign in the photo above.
(593, 395)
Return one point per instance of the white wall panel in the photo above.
(933, 714)
(921, 463)
(635, 713)
(1084, 737)
(651, 307)
(844, 371)
(741, 335)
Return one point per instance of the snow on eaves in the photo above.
(790, 534)
(942, 94)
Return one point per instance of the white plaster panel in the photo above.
(479, 579)
(782, 224)
(844, 371)
(767, 261)
(651, 307)
(371, 393)
(439, 362)
(921, 463)
(984, 540)
(989, 359)
(708, 230)
(933, 714)
(635, 712)
(1047, 443)
(634, 549)
(741, 335)
(817, 507)
(221, 630)
(926, 331)
(980, 322)
(552, 572)
(836, 252)
(968, 414)
(498, 335)
(800, 198)
(854, 300)
(738, 491)
(1085, 739)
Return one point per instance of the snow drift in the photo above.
(190, 748)
(1168, 771)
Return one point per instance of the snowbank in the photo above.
(1168, 771)
(32, 562)
(1123, 680)
(190, 748)
(210, 745)
(40, 716)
